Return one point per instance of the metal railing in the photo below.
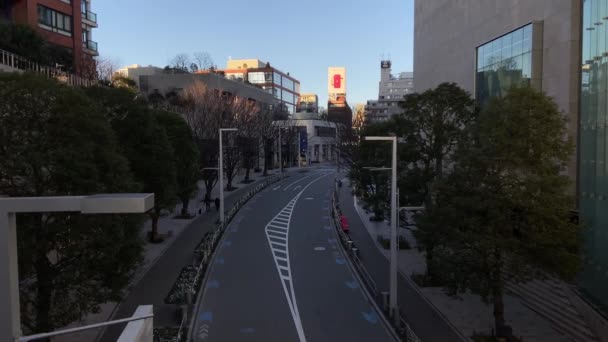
(83, 328)
(91, 45)
(90, 16)
(16, 62)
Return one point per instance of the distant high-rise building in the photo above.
(337, 106)
(284, 87)
(308, 103)
(392, 90)
(66, 23)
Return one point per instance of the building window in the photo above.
(54, 21)
(277, 79)
(260, 77)
(503, 63)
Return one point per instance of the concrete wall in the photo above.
(447, 33)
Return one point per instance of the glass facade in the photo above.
(593, 171)
(259, 77)
(503, 63)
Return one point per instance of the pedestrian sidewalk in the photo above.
(469, 314)
(171, 229)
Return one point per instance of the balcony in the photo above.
(90, 47)
(89, 18)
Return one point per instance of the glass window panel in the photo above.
(277, 79)
(527, 38)
(487, 50)
(497, 47)
(480, 57)
(527, 65)
(506, 46)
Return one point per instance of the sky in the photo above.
(303, 38)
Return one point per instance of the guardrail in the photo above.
(138, 316)
(16, 62)
(404, 330)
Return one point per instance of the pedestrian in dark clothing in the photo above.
(207, 203)
(217, 203)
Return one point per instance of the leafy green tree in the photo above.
(145, 144)
(504, 210)
(186, 155)
(54, 141)
(433, 124)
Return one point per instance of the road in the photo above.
(428, 325)
(278, 274)
(154, 286)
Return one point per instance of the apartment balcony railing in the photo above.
(90, 16)
(91, 45)
(12, 62)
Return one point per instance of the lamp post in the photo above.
(10, 320)
(393, 261)
(221, 173)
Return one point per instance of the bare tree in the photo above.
(203, 60)
(180, 61)
(201, 108)
(249, 125)
(106, 68)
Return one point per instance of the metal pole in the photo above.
(280, 152)
(10, 316)
(299, 147)
(393, 265)
(220, 173)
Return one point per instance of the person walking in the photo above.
(207, 203)
(217, 203)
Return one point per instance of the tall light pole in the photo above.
(10, 319)
(220, 173)
(280, 151)
(393, 261)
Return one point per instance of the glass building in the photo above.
(503, 63)
(593, 169)
(282, 86)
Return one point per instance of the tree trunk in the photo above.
(43, 291)
(155, 214)
(499, 311)
(185, 204)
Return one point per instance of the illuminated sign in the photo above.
(337, 80)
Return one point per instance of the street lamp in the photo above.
(221, 173)
(10, 319)
(393, 261)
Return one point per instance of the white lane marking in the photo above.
(297, 187)
(318, 249)
(301, 179)
(280, 254)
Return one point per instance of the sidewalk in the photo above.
(468, 314)
(154, 252)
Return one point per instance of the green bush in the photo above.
(386, 243)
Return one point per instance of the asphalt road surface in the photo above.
(278, 274)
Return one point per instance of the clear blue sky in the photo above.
(300, 37)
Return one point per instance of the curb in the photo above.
(362, 286)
